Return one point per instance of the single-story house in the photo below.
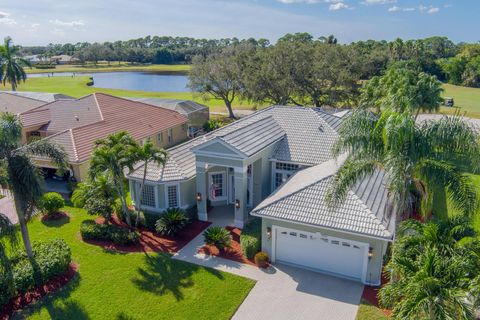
(64, 59)
(197, 114)
(41, 96)
(76, 124)
(276, 164)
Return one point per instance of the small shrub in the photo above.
(90, 230)
(171, 222)
(251, 238)
(261, 259)
(150, 220)
(99, 206)
(51, 202)
(212, 124)
(78, 197)
(218, 237)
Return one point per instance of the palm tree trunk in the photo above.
(139, 196)
(23, 228)
(121, 193)
(14, 86)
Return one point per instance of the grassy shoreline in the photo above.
(115, 67)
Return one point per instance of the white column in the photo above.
(241, 183)
(201, 180)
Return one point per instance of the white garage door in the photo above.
(314, 251)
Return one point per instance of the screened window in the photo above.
(148, 196)
(172, 196)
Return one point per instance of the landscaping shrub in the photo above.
(212, 124)
(218, 237)
(171, 222)
(51, 202)
(99, 205)
(251, 238)
(150, 220)
(90, 230)
(261, 259)
(51, 259)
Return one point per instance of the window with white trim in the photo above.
(170, 135)
(148, 196)
(283, 171)
(217, 185)
(172, 196)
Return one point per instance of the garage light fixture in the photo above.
(269, 233)
(370, 253)
(199, 196)
(237, 204)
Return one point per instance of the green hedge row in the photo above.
(251, 238)
(51, 259)
(90, 230)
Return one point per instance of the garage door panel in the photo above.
(320, 253)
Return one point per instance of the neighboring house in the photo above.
(76, 124)
(63, 59)
(276, 164)
(42, 96)
(197, 113)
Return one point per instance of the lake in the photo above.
(143, 81)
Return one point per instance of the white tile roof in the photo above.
(302, 199)
(308, 138)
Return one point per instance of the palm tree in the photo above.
(148, 153)
(21, 174)
(113, 155)
(432, 267)
(11, 64)
(102, 186)
(418, 158)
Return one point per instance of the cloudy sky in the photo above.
(39, 22)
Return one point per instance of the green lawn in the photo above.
(76, 87)
(367, 311)
(134, 286)
(468, 99)
(115, 66)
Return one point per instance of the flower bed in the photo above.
(234, 253)
(151, 241)
(55, 216)
(21, 301)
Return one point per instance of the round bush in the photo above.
(171, 222)
(218, 237)
(51, 202)
(261, 259)
(90, 230)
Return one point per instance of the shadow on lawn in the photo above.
(58, 305)
(164, 274)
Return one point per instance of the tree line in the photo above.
(301, 70)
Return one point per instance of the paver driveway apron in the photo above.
(285, 292)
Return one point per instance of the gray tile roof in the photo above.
(255, 136)
(308, 138)
(185, 107)
(41, 96)
(302, 199)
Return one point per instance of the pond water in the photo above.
(144, 81)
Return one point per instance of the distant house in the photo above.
(197, 114)
(42, 96)
(34, 58)
(63, 59)
(76, 124)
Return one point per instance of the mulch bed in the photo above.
(152, 241)
(23, 300)
(233, 253)
(371, 295)
(55, 216)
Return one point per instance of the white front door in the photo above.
(314, 251)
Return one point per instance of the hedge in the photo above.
(51, 259)
(90, 230)
(251, 238)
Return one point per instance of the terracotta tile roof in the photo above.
(15, 104)
(140, 120)
(35, 118)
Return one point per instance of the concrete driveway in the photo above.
(293, 293)
(284, 292)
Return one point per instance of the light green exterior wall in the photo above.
(374, 267)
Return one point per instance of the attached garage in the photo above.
(315, 251)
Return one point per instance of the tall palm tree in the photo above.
(113, 155)
(148, 153)
(433, 266)
(418, 158)
(20, 173)
(11, 64)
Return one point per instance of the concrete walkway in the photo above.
(7, 207)
(284, 292)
